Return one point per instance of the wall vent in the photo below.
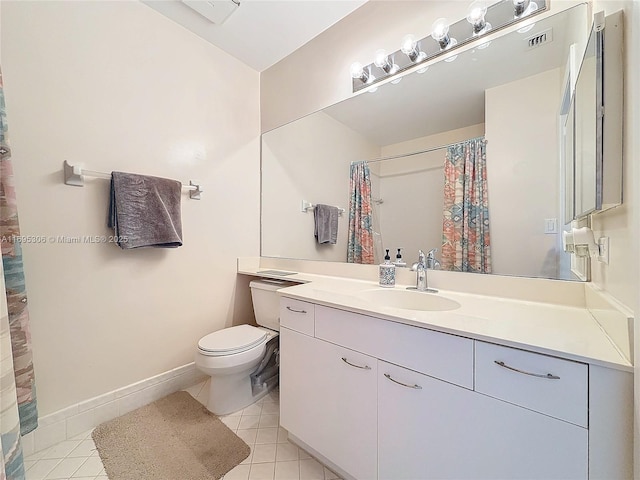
(540, 38)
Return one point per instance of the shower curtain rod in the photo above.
(433, 149)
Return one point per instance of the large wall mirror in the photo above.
(509, 91)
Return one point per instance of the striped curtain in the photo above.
(360, 241)
(18, 408)
(466, 246)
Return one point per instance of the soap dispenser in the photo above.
(387, 272)
(399, 262)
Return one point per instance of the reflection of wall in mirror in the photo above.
(585, 129)
(307, 160)
(413, 192)
(523, 175)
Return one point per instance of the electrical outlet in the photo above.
(603, 250)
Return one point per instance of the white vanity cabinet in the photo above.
(377, 399)
(328, 400)
(430, 429)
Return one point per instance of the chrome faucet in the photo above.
(432, 263)
(420, 267)
(421, 273)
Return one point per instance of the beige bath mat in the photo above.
(173, 438)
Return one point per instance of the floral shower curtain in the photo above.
(466, 246)
(360, 242)
(18, 408)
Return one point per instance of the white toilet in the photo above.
(232, 354)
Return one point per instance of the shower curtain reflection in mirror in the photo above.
(466, 245)
(360, 246)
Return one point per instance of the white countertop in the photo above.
(563, 331)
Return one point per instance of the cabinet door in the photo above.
(430, 429)
(328, 400)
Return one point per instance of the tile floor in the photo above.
(272, 456)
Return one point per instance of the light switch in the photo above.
(550, 225)
(603, 250)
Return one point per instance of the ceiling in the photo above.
(260, 33)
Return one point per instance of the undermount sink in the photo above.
(408, 300)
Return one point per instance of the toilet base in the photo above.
(230, 393)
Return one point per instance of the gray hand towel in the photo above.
(326, 224)
(145, 211)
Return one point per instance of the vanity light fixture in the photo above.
(475, 16)
(415, 53)
(522, 8)
(440, 33)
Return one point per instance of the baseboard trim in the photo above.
(72, 421)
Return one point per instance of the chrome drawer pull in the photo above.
(540, 375)
(417, 387)
(366, 367)
(296, 311)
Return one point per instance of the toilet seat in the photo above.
(231, 340)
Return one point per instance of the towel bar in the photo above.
(306, 206)
(74, 175)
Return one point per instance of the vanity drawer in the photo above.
(436, 354)
(522, 379)
(297, 315)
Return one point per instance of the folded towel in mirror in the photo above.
(144, 211)
(326, 224)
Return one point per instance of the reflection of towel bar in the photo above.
(306, 206)
(74, 175)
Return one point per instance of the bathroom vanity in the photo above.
(451, 388)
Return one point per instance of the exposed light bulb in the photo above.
(440, 29)
(382, 61)
(409, 46)
(440, 33)
(477, 11)
(381, 58)
(358, 72)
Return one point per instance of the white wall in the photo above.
(521, 170)
(117, 86)
(307, 160)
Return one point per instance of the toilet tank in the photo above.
(266, 302)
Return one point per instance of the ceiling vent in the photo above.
(540, 38)
(215, 11)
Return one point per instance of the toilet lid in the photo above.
(232, 340)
